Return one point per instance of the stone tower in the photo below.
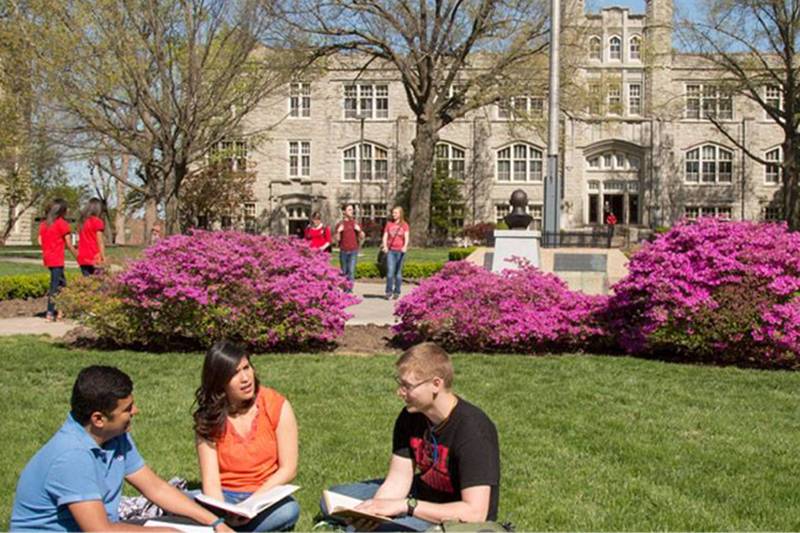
(658, 55)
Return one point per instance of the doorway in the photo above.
(614, 203)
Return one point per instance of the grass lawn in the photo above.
(10, 268)
(587, 443)
(414, 254)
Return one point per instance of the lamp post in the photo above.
(359, 174)
(552, 182)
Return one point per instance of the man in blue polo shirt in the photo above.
(74, 482)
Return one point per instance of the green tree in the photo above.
(30, 162)
(452, 56)
(163, 81)
(755, 44)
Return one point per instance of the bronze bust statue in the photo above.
(518, 218)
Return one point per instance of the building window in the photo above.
(300, 100)
(635, 99)
(519, 162)
(232, 154)
(536, 212)
(366, 101)
(709, 164)
(367, 162)
(693, 212)
(635, 48)
(249, 213)
(773, 170)
(520, 107)
(299, 159)
(708, 101)
(772, 213)
(614, 161)
(615, 99)
(595, 98)
(374, 212)
(449, 161)
(773, 96)
(595, 48)
(615, 48)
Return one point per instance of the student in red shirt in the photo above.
(91, 251)
(317, 234)
(53, 236)
(395, 244)
(349, 234)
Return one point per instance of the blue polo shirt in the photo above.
(71, 468)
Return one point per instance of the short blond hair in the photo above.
(426, 361)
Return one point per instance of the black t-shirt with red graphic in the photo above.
(464, 449)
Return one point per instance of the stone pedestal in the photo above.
(515, 243)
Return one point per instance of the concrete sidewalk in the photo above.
(373, 309)
(34, 325)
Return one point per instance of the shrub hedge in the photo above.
(457, 254)
(25, 286)
(272, 293)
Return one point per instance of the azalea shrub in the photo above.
(271, 293)
(465, 307)
(713, 290)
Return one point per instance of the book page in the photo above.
(188, 528)
(253, 507)
(271, 497)
(344, 507)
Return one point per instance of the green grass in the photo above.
(9, 268)
(414, 254)
(587, 443)
(34, 252)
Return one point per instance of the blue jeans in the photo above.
(280, 517)
(365, 490)
(88, 270)
(394, 271)
(348, 262)
(57, 281)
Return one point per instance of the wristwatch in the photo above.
(411, 503)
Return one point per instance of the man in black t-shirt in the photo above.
(445, 456)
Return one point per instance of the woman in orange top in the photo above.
(246, 438)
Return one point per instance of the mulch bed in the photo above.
(16, 308)
(357, 340)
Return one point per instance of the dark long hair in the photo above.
(93, 208)
(57, 209)
(212, 402)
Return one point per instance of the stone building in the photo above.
(638, 143)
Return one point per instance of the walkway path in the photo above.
(373, 309)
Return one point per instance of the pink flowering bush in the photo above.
(713, 290)
(465, 307)
(268, 292)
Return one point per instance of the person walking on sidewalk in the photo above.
(91, 250)
(395, 245)
(54, 235)
(349, 235)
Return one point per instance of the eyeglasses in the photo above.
(408, 387)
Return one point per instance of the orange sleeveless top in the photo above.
(247, 461)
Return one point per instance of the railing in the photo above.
(597, 238)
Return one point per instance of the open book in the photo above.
(342, 506)
(253, 505)
(186, 528)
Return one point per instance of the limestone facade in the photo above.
(638, 144)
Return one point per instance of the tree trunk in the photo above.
(172, 209)
(791, 183)
(422, 182)
(120, 215)
(150, 217)
(8, 227)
